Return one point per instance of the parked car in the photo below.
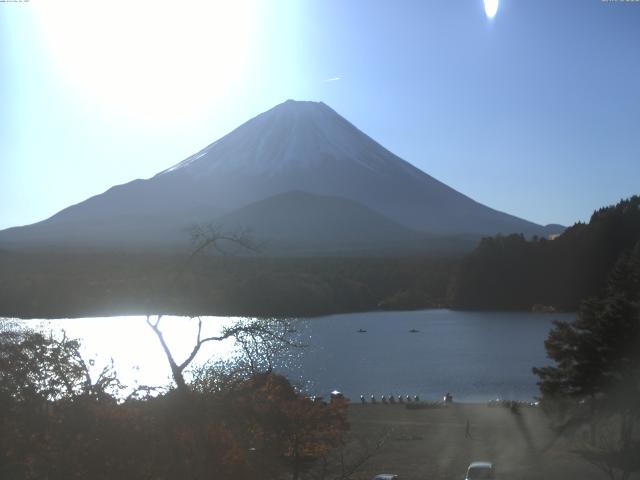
(386, 476)
(481, 471)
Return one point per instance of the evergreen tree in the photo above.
(511, 272)
(597, 360)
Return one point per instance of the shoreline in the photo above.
(298, 317)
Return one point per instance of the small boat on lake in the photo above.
(362, 330)
(413, 330)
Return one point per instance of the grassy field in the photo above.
(431, 444)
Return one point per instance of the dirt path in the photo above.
(431, 444)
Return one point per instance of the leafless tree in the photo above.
(260, 339)
(349, 459)
(211, 236)
(260, 348)
(268, 332)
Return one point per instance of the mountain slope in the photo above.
(295, 146)
(300, 220)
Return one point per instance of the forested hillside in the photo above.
(46, 285)
(511, 272)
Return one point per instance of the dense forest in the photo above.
(503, 273)
(46, 285)
(511, 272)
(592, 386)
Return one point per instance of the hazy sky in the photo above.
(535, 112)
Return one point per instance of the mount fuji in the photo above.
(299, 175)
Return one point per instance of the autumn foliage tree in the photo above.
(287, 429)
(57, 422)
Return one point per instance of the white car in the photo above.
(481, 471)
(386, 476)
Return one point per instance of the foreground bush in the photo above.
(56, 422)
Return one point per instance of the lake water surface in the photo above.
(476, 356)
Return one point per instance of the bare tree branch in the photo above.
(349, 459)
(260, 331)
(204, 236)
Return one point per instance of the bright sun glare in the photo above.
(491, 7)
(159, 60)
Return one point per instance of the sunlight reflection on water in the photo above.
(476, 355)
(136, 352)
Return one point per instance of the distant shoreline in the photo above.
(301, 317)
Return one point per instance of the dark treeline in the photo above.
(594, 379)
(53, 285)
(511, 272)
(504, 272)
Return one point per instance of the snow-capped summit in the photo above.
(293, 134)
(297, 146)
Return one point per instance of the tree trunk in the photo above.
(296, 467)
(181, 385)
(592, 422)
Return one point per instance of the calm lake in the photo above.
(477, 356)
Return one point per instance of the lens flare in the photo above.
(491, 7)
